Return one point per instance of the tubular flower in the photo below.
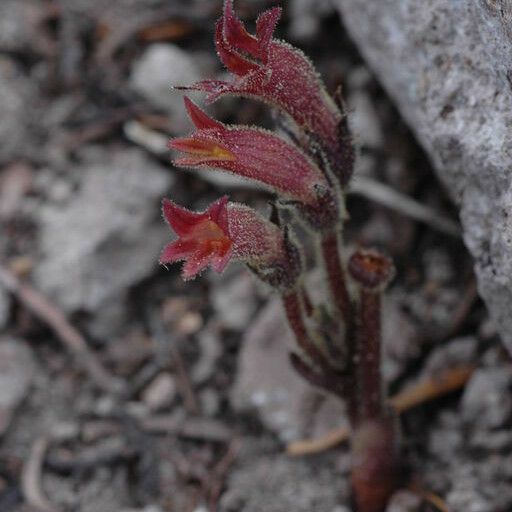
(277, 73)
(252, 153)
(228, 231)
(203, 238)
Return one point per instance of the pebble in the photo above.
(160, 393)
(161, 67)
(487, 402)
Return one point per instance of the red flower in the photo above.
(203, 238)
(277, 73)
(253, 153)
(228, 231)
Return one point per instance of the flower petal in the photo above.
(218, 213)
(265, 27)
(236, 34)
(197, 262)
(231, 59)
(255, 154)
(201, 150)
(200, 119)
(180, 219)
(176, 251)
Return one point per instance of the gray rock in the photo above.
(107, 237)
(448, 67)
(234, 300)
(16, 372)
(487, 401)
(266, 382)
(158, 69)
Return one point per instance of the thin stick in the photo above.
(48, 313)
(32, 475)
(220, 472)
(390, 198)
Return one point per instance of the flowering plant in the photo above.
(338, 343)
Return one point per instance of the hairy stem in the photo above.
(336, 275)
(295, 314)
(368, 341)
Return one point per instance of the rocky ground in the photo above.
(197, 403)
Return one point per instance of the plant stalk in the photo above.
(336, 274)
(294, 310)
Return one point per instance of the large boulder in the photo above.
(448, 67)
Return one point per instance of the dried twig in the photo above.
(48, 313)
(32, 475)
(219, 473)
(390, 198)
(204, 429)
(431, 388)
(322, 444)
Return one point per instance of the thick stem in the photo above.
(295, 315)
(368, 341)
(336, 275)
(375, 468)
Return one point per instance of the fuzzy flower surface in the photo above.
(276, 73)
(228, 231)
(203, 238)
(252, 153)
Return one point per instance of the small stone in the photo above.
(210, 352)
(444, 442)
(364, 121)
(487, 401)
(159, 68)
(106, 238)
(160, 393)
(266, 382)
(404, 501)
(210, 402)
(234, 301)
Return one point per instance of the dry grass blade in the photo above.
(390, 198)
(32, 475)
